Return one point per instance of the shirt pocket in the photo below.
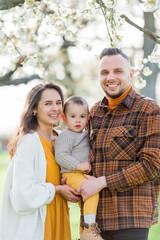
(123, 145)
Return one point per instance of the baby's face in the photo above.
(76, 117)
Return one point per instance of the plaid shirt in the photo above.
(125, 148)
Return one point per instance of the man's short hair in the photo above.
(113, 51)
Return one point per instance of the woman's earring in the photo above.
(63, 117)
(34, 114)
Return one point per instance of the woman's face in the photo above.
(49, 109)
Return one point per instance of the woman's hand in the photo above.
(68, 193)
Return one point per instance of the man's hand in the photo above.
(84, 166)
(91, 186)
(68, 193)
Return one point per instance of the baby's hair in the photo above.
(77, 100)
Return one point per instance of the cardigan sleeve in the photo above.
(63, 151)
(29, 192)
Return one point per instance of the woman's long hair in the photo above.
(28, 120)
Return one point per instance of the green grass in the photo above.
(154, 233)
(75, 216)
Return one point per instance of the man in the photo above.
(124, 133)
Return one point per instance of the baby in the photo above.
(72, 154)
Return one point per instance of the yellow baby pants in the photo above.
(75, 179)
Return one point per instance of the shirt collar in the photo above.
(127, 101)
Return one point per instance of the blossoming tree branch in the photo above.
(30, 30)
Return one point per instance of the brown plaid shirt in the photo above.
(125, 147)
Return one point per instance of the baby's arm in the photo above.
(63, 152)
(84, 166)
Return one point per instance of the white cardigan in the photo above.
(26, 193)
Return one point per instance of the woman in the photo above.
(34, 205)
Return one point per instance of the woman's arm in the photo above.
(29, 190)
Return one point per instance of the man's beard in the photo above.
(114, 96)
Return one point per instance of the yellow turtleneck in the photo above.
(113, 102)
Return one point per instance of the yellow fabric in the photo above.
(113, 102)
(57, 224)
(75, 179)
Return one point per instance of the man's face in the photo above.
(115, 75)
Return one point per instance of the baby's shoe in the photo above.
(91, 232)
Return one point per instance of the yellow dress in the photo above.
(57, 224)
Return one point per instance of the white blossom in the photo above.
(147, 71)
(59, 24)
(119, 21)
(155, 56)
(30, 61)
(91, 4)
(139, 63)
(110, 3)
(116, 41)
(140, 83)
(149, 6)
(157, 14)
(2, 50)
(2, 34)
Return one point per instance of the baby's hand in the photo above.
(84, 166)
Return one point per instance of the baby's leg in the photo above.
(90, 208)
(75, 179)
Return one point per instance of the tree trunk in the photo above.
(7, 4)
(148, 46)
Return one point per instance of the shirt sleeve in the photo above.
(28, 192)
(63, 151)
(147, 166)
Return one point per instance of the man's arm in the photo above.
(147, 166)
(145, 169)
